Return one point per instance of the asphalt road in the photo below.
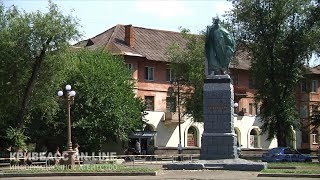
(167, 175)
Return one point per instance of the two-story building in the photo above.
(144, 51)
(308, 101)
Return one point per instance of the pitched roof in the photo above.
(150, 43)
(242, 60)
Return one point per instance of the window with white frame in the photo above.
(130, 68)
(149, 102)
(170, 75)
(315, 137)
(149, 73)
(314, 86)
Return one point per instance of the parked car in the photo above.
(285, 154)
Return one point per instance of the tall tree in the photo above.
(187, 64)
(27, 39)
(44, 113)
(281, 36)
(105, 107)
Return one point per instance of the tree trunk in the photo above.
(281, 138)
(30, 85)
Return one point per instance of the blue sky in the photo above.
(97, 16)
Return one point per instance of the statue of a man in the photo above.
(219, 48)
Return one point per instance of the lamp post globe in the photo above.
(60, 93)
(68, 87)
(72, 93)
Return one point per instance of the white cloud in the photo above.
(164, 9)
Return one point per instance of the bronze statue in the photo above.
(219, 48)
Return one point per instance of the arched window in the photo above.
(291, 140)
(192, 137)
(148, 128)
(148, 142)
(254, 138)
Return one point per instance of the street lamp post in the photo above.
(177, 81)
(179, 121)
(69, 96)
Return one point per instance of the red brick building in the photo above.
(144, 51)
(308, 100)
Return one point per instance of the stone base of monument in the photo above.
(221, 164)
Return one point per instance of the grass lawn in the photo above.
(105, 168)
(300, 168)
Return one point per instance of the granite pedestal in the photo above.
(219, 141)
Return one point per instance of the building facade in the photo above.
(144, 51)
(308, 101)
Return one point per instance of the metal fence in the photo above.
(112, 159)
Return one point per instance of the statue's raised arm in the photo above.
(219, 49)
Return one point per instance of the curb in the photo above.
(76, 174)
(289, 175)
(282, 167)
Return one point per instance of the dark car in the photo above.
(285, 154)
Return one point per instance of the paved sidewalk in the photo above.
(169, 175)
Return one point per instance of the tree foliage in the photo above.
(35, 62)
(187, 64)
(281, 36)
(105, 107)
(17, 138)
(315, 116)
(30, 44)
(27, 39)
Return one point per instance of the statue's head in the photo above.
(215, 21)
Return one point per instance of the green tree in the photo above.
(105, 107)
(187, 64)
(27, 40)
(315, 116)
(281, 36)
(45, 114)
(17, 139)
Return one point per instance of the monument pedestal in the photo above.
(219, 142)
(218, 139)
